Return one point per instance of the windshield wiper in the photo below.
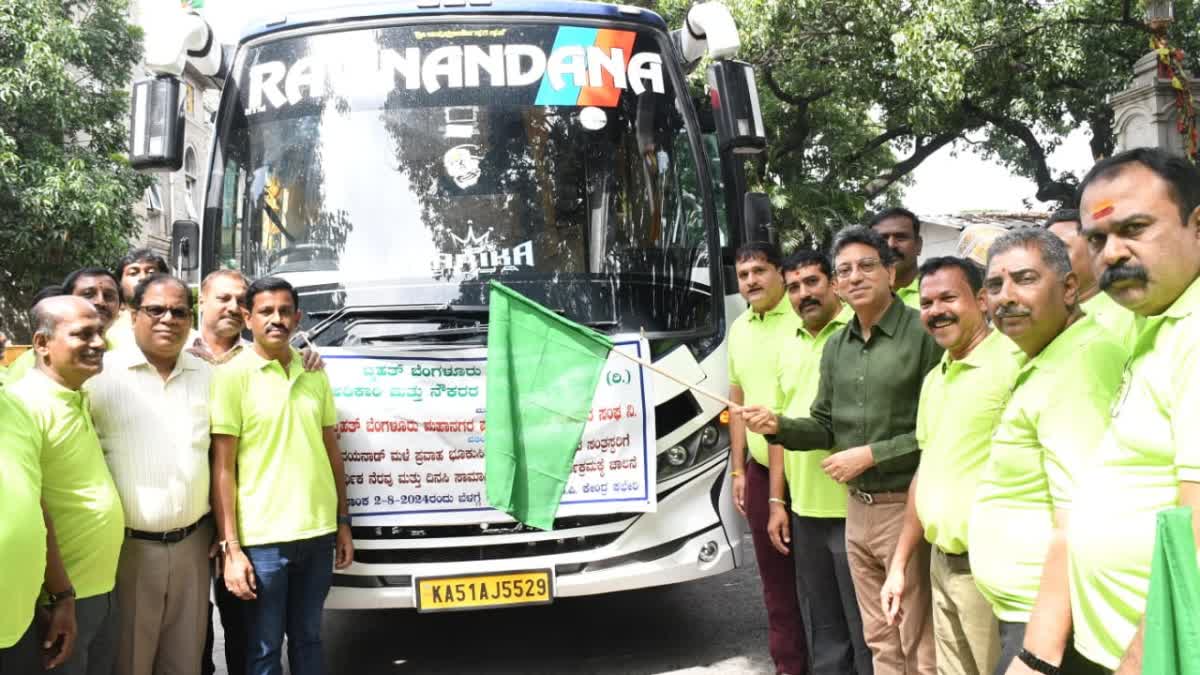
(463, 331)
(336, 316)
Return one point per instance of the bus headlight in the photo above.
(710, 440)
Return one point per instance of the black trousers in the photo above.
(233, 622)
(825, 590)
(1012, 635)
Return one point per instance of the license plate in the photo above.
(477, 591)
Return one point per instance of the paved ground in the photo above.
(716, 625)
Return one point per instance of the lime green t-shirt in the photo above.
(22, 532)
(813, 493)
(285, 487)
(1122, 323)
(1048, 431)
(20, 366)
(911, 294)
(959, 409)
(77, 488)
(1152, 445)
(754, 347)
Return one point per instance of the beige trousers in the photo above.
(162, 590)
(965, 630)
(871, 535)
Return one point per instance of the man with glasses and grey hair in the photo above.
(866, 411)
(151, 410)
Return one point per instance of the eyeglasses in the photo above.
(157, 312)
(866, 266)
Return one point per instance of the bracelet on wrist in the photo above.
(737, 472)
(55, 598)
(1030, 659)
(345, 520)
(777, 500)
(227, 544)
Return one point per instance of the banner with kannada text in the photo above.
(411, 428)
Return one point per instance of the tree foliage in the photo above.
(66, 189)
(857, 94)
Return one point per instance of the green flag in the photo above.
(1171, 644)
(542, 372)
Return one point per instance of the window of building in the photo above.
(189, 183)
(154, 198)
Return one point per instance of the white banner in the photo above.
(411, 430)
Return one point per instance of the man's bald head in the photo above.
(68, 339)
(52, 311)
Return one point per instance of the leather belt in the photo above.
(957, 562)
(870, 498)
(170, 536)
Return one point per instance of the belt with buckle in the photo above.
(170, 536)
(870, 498)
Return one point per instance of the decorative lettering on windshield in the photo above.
(584, 67)
(478, 254)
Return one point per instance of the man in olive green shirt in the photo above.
(756, 341)
(960, 405)
(81, 502)
(279, 485)
(901, 229)
(1099, 307)
(866, 410)
(833, 625)
(1141, 216)
(1048, 430)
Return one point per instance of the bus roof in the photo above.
(351, 11)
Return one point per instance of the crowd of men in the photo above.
(130, 443)
(949, 467)
(956, 467)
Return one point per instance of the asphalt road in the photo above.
(716, 625)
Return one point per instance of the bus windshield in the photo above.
(412, 164)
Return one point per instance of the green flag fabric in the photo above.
(1171, 643)
(542, 372)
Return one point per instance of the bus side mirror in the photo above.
(735, 107)
(756, 215)
(185, 245)
(156, 124)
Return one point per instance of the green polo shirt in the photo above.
(755, 342)
(1122, 323)
(911, 294)
(1048, 431)
(20, 366)
(22, 532)
(961, 402)
(1151, 447)
(285, 488)
(813, 493)
(868, 395)
(76, 486)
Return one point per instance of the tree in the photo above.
(66, 189)
(856, 95)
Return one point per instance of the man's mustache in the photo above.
(1119, 273)
(896, 252)
(809, 302)
(949, 318)
(1010, 311)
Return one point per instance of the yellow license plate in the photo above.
(477, 591)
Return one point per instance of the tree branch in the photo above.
(801, 102)
(870, 146)
(922, 151)
(1048, 189)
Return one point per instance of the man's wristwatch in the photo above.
(344, 520)
(1028, 658)
(55, 598)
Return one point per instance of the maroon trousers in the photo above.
(785, 626)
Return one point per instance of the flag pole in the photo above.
(699, 390)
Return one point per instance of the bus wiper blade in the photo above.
(465, 331)
(332, 317)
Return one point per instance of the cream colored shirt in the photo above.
(155, 436)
